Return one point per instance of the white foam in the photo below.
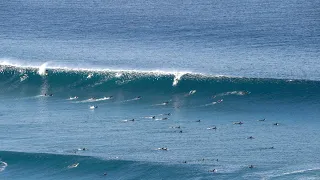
(177, 77)
(118, 75)
(118, 71)
(42, 69)
(280, 173)
(301, 171)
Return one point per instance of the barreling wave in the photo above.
(56, 166)
(56, 80)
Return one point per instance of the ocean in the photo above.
(159, 89)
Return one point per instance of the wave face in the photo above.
(67, 81)
(51, 166)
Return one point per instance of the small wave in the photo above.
(300, 171)
(58, 166)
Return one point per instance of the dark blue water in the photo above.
(220, 62)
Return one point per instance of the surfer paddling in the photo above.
(238, 123)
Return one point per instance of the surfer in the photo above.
(243, 93)
(164, 118)
(220, 101)
(180, 131)
(163, 148)
(93, 107)
(75, 97)
(139, 97)
(165, 103)
(238, 123)
(168, 114)
(153, 117)
(213, 127)
(198, 120)
(262, 119)
(213, 170)
(276, 124)
(192, 92)
(250, 137)
(131, 120)
(73, 165)
(251, 166)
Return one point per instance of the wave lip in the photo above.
(118, 73)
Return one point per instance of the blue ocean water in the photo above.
(157, 90)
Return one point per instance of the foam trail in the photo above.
(301, 171)
(92, 100)
(238, 93)
(215, 102)
(134, 99)
(162, 104)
